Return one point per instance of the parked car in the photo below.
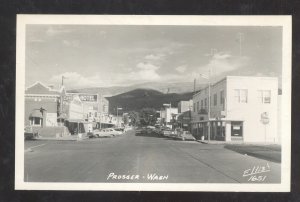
(120, 130)
(29, 133)
(167, 132)
(101, 133)
(185, 135)
(138, 131)
(92, 135)
(113, 132)
(107, 132)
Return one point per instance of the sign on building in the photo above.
(51, 119)
(264, 118)
(83, 97)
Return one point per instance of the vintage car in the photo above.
(107, 132)
(185, 135)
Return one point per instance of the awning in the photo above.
(36, 114)
(62, 116)
(75, 120)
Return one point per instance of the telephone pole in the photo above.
(240, 38)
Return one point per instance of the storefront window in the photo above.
(36, 121)
(265, 96)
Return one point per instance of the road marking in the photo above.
(30, 148)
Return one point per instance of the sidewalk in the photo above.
(64, 138)
(266, 151)
(269, 152)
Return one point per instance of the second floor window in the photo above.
(222, 97)
(201, 104)
(197, 106)
(241, 95)
(265, 96)
(215, 99)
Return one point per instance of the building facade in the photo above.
(95, 106)
(241, 109)
(41, 105)
(168, 115)
(184, 106)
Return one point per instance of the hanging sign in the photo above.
(264, 118)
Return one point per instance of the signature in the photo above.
(256, 173)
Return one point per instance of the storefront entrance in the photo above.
(236, 130)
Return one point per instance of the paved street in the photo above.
(149, 159)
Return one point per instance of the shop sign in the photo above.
(264, 118)
(51, 119)
(88, 97)
(82, 97)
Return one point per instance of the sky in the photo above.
(119, 55)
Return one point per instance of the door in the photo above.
(237, 129)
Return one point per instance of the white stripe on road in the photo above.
(30, 148)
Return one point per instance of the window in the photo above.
(265, 96)
(197, 106)
(201, 104)
(95, 114)
(90, 114)
(222, 97)
(241, 95)
(215, 99)
(194, 107)
(36, 121)
(205, 102)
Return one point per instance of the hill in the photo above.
(145, 98)
(179, 88)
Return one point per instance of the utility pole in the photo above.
(240, 38)
(194, 86)
(209, 72)
(62, 80)
(61, 96)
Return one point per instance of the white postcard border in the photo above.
(284, 21)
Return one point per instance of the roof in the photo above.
(62, 116)
(76, 120)
(235, 77)
(184, 114)
(40, 88)
(36, 113)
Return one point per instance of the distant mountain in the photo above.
(145, 98)
(179, 88)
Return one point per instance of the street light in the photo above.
(118, 108)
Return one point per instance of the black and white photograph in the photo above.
(153, 103)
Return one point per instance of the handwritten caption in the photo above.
(150, 177)
(256, 173)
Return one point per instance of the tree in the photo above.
(134, 118)
(147, 116)
(126, 118)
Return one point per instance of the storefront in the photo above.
(222, 130)
(241, 109)
(184, 120)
